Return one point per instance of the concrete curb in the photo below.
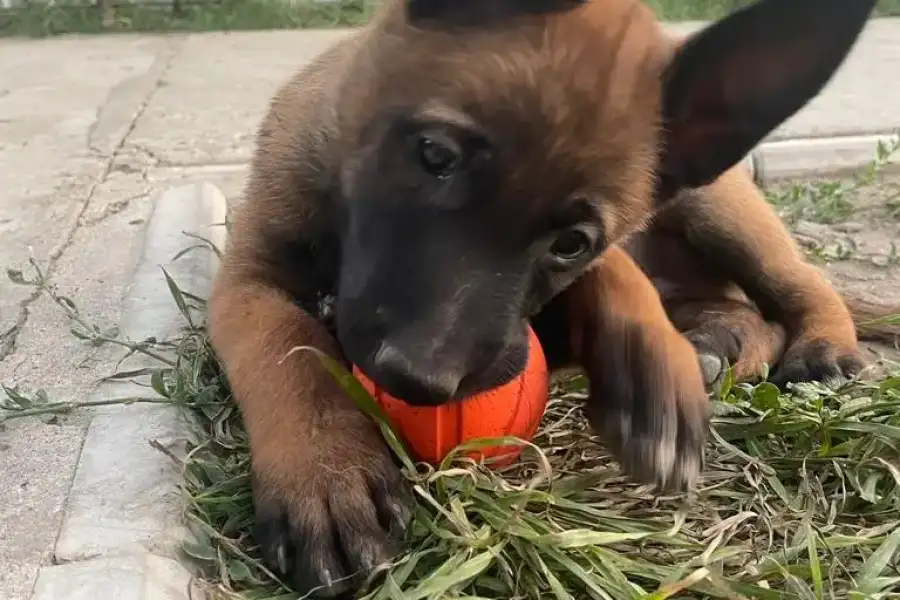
(122, 525)
(817, 157)
(808, 158)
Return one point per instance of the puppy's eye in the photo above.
(570, 245)
(439, 157)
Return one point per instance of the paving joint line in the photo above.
(9, 337)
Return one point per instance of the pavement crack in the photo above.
(9, 337)
(157, 160)
(141, 109)
(113, 208)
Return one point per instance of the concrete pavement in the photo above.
(92, 127)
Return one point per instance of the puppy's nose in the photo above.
(418, 380)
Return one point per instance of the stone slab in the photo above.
(145, 577)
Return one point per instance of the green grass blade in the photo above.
(869, 578)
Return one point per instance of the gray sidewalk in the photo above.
(92, 128)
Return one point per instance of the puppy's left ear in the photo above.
(733, 83)
(481, 12)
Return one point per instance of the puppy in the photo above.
(459, 168)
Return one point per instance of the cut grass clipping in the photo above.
(800, 500)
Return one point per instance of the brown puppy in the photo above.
(458, 167)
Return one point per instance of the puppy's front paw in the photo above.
(811, 358)
(649, 402)
(330, 509)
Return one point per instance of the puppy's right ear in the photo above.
(474, 13)
(731, 84)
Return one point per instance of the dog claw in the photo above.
(711, 366)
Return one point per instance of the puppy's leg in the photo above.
(730, 224)
(647, 396)
(327, 494)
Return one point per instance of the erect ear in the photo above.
(481, 12)
(734, 82)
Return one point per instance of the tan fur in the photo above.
(614, 305)
(762, 261)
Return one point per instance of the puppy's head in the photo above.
(503, 144)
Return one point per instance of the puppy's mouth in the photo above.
(410, 377)
(508, 365)
(427, 385)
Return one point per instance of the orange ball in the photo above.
(512, 409)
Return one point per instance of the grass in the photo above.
(217, 15)
(690, 10)
(831, 202)
(800, 498)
